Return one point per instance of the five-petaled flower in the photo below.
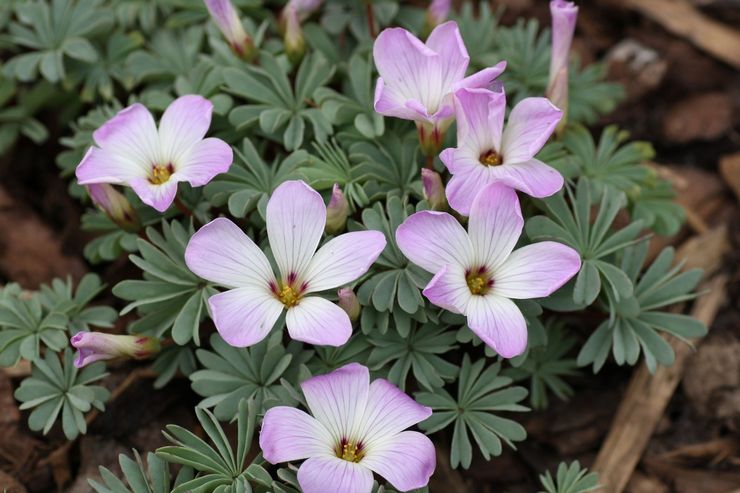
(417, 80)
(220, 252)
(487, 153)
(357, 428)
(132, 151)
(97, 346)
(478, 273)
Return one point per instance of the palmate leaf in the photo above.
(420, 351)
(170, 297)
(172, 360)
(250, 180)
(480, 394)
(217, 465)
(230, 373)
(545, 366)
(593, 239)
(17, 108)
(635, 325)
(26, 325)
(54, 31)
(282, 110)
(154, 477)
(60, 296)
(570, 479)
(168, 55)
(480, 31)
(56, 387)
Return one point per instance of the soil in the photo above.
(679, 97)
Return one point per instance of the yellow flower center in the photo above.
(479, 282)
(288, 296)
(160, 174)
(491, 158)
(351, 452)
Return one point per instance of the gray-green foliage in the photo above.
(75, 63)
(570, 479)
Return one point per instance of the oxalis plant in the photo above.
(363, 230)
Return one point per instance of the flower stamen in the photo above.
(478, 280)
(491, 158)
(349, 451)
(161, 174)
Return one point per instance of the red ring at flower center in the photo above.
(349, 451)
(161, 174)
(479, 280)
(491, 158)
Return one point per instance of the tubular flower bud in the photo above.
(337, 211)
(349, 303)
(437, 13)
(295, 45)
(226, 17)
(433, 189)
(97, 346)
(115, 205)
(564, 15)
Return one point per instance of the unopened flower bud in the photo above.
(337, 211)
(437, 13)
(349, 303)
(433, 189)
(97, 346)
(431, 135)
(115, 205)
(564, 15)
(226, 17)
(295, 45)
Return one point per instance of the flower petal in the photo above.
(296, 216)
(99, 166)
(343, 259)
(220, 252)
(132, 135)
(339, 398)
(483, 78)
(532, 177)
(464, 186)
(324, 474)
(389, 411)
(244, 316)
(184, 124)
(289, 434)
(158, 196)
(536, 270)
(530, 124)
(495, 225)
(448, 289)
(499, 323)
(406, 460)
(446, 41)
(204, 160)
(480, 119)
(389, 101)
(318, 321)
(433, 240)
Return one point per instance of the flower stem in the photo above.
(430, 161)
(182, 207)
(371, 19)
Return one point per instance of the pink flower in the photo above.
(417, 80)
(97, 346)
(564, 15)
(477, 274)
(226, 17)
(220, 252)
(115, 205)
(356, 429)
(132, 151)
(486, 153)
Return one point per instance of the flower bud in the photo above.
(337, 211)
(304, 8)
(433, 189)
(349, 303)
(295, 45)
(564, 15)
(115, 205)
(226, 17)
(97, 346)
(437, 13)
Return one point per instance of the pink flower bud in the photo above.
(337, 211)
(295, 45)
(349, 303)
(97, 346)
(433, 189)
(115, 205)
(304, 8)
(226, 17)
(437, 13)
(564, 15)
